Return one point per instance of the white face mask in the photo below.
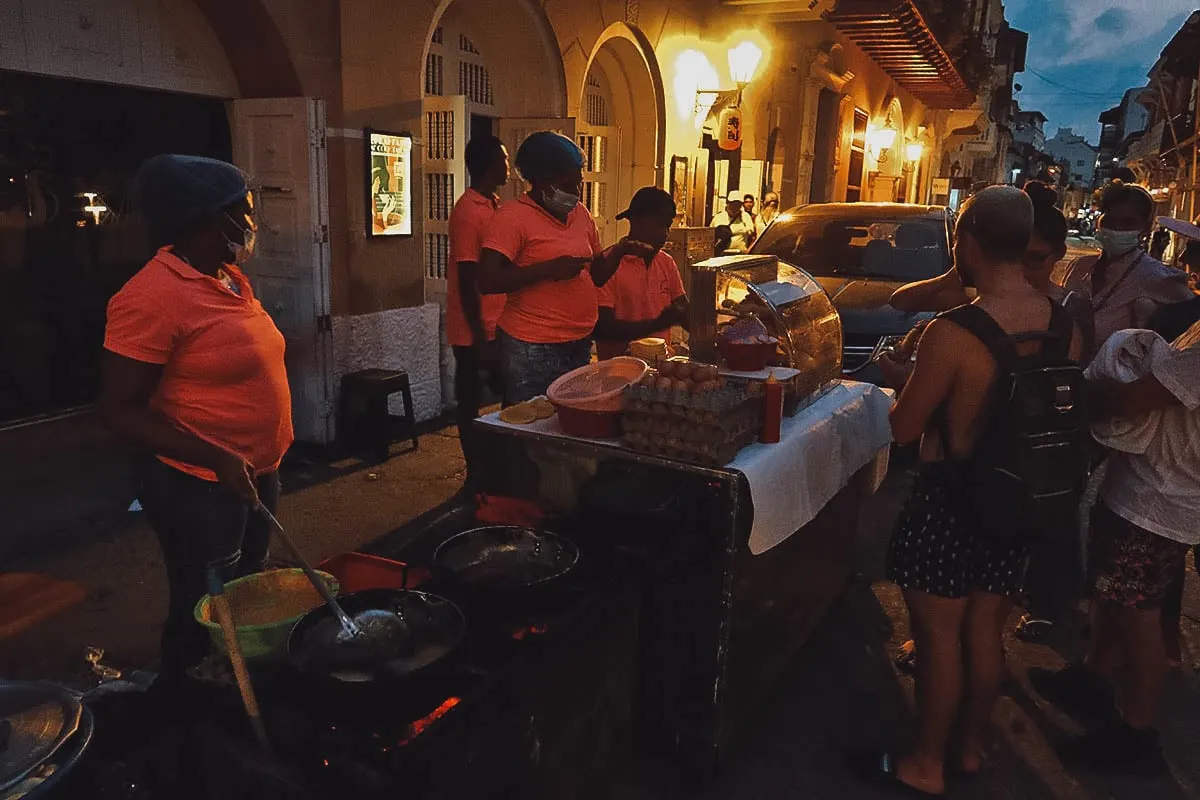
(1118, 243)
(559, 202)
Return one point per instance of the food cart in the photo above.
(734, 564)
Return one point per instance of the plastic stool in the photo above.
(365, 420)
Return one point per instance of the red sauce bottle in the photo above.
(772, 410)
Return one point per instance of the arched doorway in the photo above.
(621, 124)
(887, 182)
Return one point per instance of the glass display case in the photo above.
(793, 307)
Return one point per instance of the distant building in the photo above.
(1029, 128)
(1076, 155)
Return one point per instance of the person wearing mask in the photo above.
(543, 251)
(1052, 583)
(193, 377)
(958, 582)
(738, 220)
(1142, 528)
(645, 297)
(767, 214)
(470, 317)
(1124, 285)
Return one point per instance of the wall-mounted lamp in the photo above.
(743, 63)
(913, 152)
(881, 140)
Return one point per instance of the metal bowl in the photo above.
(505, 558)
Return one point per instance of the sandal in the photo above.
(906, 658)
(878, 767)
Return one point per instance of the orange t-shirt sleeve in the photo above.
(466, 235)
(505, 235)
(139, 327)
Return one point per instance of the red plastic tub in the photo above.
(589, 424)
(743, 357)
(357, 572)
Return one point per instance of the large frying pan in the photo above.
(504, 559)
(430, 629)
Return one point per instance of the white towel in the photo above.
(1128, 356)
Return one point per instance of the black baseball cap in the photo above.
(649, 200)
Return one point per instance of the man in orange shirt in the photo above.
(645, 296)
(470, 317)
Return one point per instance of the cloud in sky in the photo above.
(1089, 52)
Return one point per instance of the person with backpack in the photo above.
(1142, 528)
(992, 380)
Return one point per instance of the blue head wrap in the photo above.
(176, 192)
(547, 154)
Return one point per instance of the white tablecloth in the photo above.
(819, 450)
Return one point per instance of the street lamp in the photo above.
(743, 63)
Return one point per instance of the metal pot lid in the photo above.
(506, 557)
(35, 720)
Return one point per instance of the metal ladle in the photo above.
(376, 627)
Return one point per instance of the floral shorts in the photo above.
(1131, 566)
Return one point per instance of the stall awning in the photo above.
(895, 35)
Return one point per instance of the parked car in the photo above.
(861, 253)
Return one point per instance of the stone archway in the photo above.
(621, 122)
(255, 48)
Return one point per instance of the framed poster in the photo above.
(679, 184)
(389, 183)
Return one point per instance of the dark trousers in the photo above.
(1054, 580)
(200, 524)
(471, 379)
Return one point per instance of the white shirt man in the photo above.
(740, 224)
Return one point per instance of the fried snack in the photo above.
(542, 407)
(520, 414)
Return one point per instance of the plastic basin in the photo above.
(589, 424)
(745, 357)
(270, 602)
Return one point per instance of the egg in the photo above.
(666, 369)
(679, 385)
(683, 370)
(664, 383)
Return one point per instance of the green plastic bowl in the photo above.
(272, 602)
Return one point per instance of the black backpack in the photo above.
(1028, 471)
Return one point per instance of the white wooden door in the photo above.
(603, 194)
(514, 130)
(281, 144)
(445, 172)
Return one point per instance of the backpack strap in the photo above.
(1062, 330)
(977, 322)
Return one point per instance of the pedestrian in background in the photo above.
(193, 377)
(767, 214)
(739, 222)
(1124, 284)
(543, 251)
(958, 580)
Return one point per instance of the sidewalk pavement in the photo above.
(841, 694)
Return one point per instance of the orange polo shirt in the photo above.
(223, 372)
(469, 222)
(551, 312)
(638, 292)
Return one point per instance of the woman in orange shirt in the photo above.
(543, 251)
(193, 376)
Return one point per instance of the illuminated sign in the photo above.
(389, 184)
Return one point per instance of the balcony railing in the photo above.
(898, 37)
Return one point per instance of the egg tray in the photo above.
(710, 429)
(718, 401)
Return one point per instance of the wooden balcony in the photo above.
(898, 38)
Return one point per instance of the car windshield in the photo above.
(884, 248)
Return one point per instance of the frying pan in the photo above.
(428, 628)
(504, 559)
